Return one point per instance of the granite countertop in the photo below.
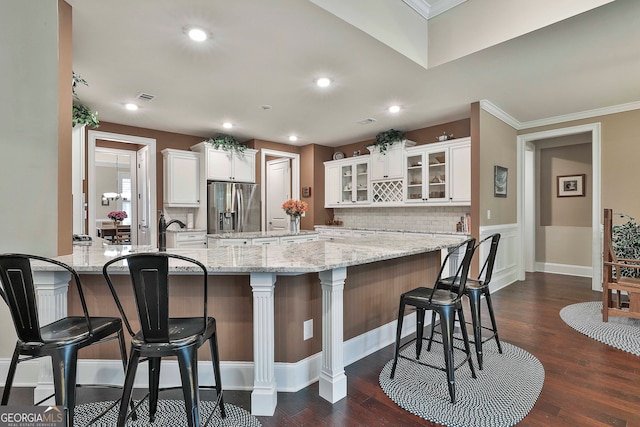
(260, 234)
(307, 257)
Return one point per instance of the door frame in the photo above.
(526, 197)
(295, 178)
(267, 163)
(93, 136)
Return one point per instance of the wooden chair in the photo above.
(618, 282)
(123, 235)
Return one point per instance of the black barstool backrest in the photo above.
(149, 274)
(19, 292)
(487, 267)
(460, 277)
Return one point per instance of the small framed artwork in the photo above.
(105, 202)
(500, 175)
(571, 185)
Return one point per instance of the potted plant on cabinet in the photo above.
(387, 138)
(222, 141)
(82, 115)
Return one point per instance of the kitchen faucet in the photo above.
(162, 231)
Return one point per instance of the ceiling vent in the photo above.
(366, 121)
(146, 97)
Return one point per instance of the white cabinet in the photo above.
(299, 239)
(390, 164)
(439, 173)
(187, 239)
(347, 182)
(221, 165)
(181, 178)
(262, 241)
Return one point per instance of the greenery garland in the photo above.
(387, 138)
(222, 141)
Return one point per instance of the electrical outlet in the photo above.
(488, 213)
(307, 330)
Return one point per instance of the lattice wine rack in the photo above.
(387, 191)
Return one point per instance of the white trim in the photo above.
(93, 136)
(290, 377)
(505, 270)
(522, 141)
(494, 110)
(570, 270)
(295, 178)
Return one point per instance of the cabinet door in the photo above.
(378, 166)
(219, 165)
(460, 173)
(437, 176)
(331, 185)
(395, 157)
(181, 179)
(346, 181)
(415, 185)
(244, 167)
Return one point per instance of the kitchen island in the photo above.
(330, 260)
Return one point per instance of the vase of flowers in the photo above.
(117, 216)
(295, 209)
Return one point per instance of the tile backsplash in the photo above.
(426, 219)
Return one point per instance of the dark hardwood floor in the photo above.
(586, 383)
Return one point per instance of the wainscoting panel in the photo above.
(505, 270)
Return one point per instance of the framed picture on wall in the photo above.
(571, 185)
(500, 181)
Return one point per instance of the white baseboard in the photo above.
(290, 377)
(566, 269)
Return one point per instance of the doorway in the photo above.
(295, 178)
(278, 191)
(144, 193)
(527, 196)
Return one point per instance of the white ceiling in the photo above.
(269, 53)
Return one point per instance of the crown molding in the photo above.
(613, 109)
(430, 8)
(494, 110)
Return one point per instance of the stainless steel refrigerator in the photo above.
(232, 207)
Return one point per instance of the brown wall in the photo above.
(65, 107)
(371, 295)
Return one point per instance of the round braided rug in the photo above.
(619, 332)
(170, 413)
(502, 394)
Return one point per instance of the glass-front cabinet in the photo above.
(427, 176)
(355, 182)
(439, 173)
(347, 182)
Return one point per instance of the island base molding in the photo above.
(289, 377)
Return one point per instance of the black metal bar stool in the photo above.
(161, 335)
(61, 339)
(446, 302)
(475, 289)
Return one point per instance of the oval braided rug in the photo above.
(170, 413)
(619, 332)
(502, 394)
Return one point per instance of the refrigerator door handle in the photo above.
(240, 209)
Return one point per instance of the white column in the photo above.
(264, 396)
(333, 381)
(51, 288)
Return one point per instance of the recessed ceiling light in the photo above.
(227, 125)
(323, 81)
(394, 109)
(293, 138)
(131, 107)
(197, 34)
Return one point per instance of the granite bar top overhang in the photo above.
(306, 257)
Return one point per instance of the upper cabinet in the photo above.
(439, 173)
(390, 164)
(181, 178)
(347, 182)
(221, 165)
